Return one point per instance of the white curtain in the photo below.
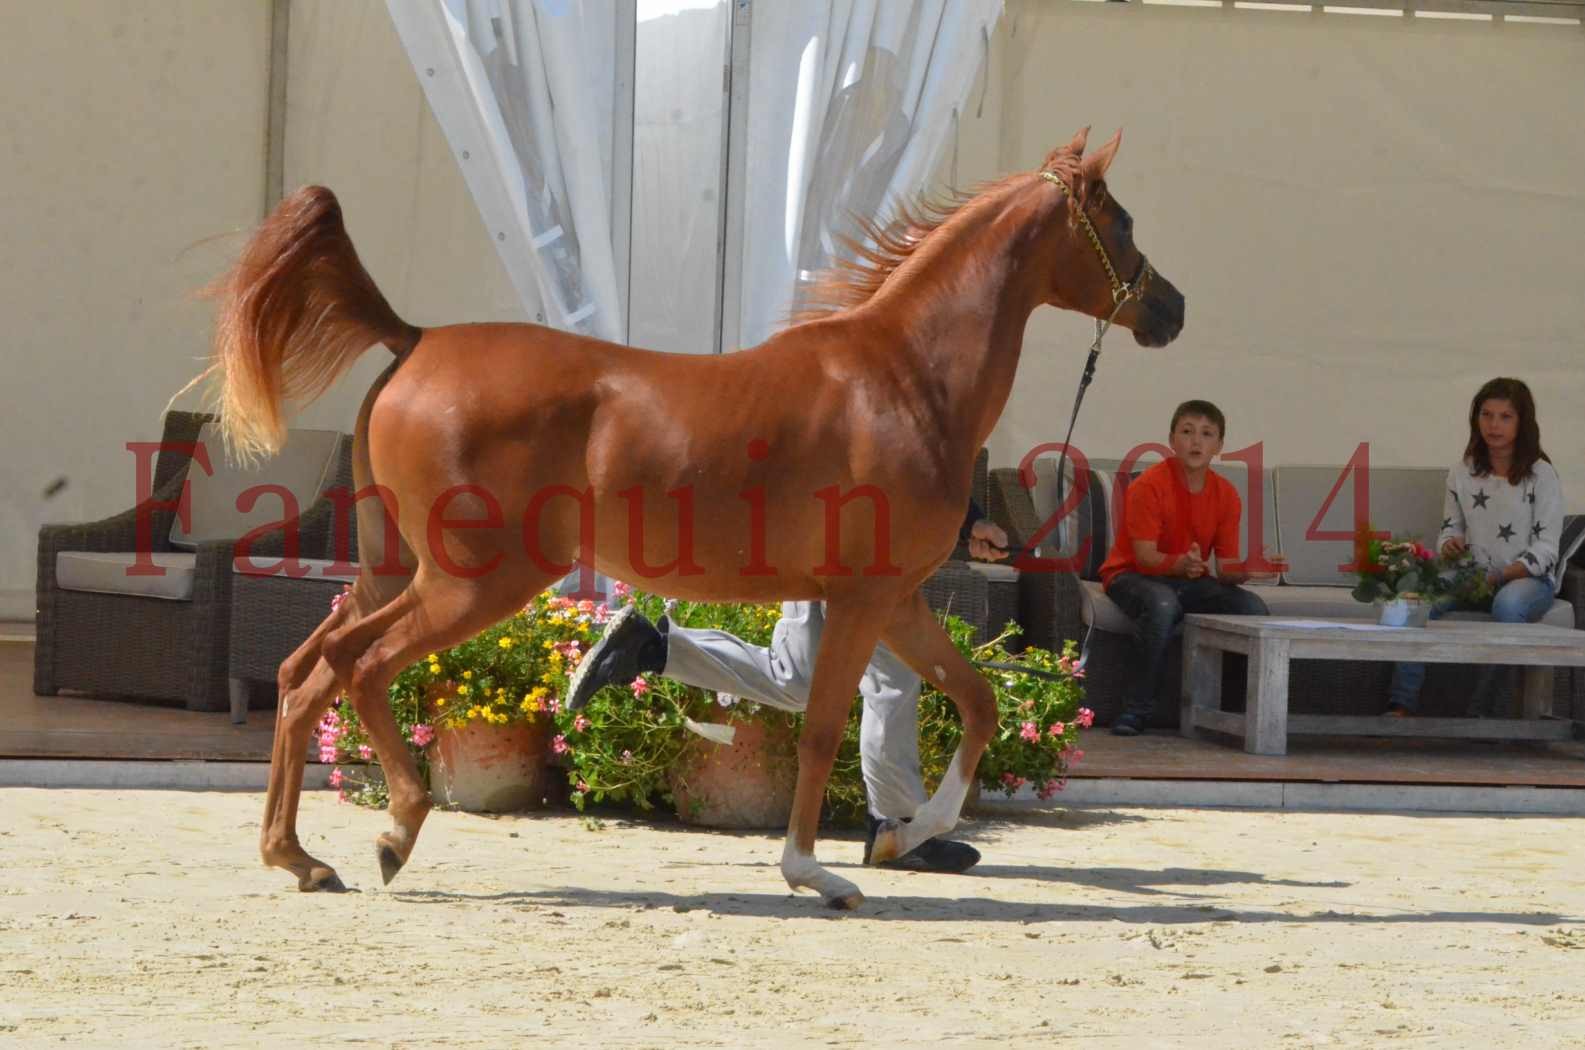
(852, 104)
(524, 90)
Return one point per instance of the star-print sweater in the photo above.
(1503, 523)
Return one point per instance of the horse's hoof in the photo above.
(846, 902)
(888, 844)
(390, 861)
(322, 880)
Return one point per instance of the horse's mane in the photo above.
(851, 281)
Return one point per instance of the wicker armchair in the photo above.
(104, 636)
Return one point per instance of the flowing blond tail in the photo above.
(295, 312)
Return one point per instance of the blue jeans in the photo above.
(1157, 604)
(1517, 601)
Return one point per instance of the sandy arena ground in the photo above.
(143, 918)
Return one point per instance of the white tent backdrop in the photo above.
(852, 104)
(525, 92)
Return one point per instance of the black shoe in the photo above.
(630, 646)
(939, 855)
(1128, 725)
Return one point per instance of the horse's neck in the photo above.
(962, 316)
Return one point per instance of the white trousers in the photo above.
(780, 677)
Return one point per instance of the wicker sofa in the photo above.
(1060, 605)
(104, 631)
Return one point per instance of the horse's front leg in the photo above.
(919, 639)
(846, 645)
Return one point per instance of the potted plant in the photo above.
(656, 739)
(1404, 578)
(481, 714)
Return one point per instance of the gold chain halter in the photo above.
(1121, 292)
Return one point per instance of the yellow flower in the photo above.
(431, 657)
(505, 642)
(473, 712)
(434, 668)
(440, 702)
(468, 675)
(549, 644)
(462, 690)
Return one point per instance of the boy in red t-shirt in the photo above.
(1177, 515)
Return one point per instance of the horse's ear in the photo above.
(1076, 147)
(1096, 164)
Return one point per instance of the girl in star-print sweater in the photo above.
(1505, 505)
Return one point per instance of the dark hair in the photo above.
(1526, 446)
(1199, 408)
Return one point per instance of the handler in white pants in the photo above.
(780, 676)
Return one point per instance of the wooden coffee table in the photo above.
(1271, 641)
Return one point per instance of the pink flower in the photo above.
(1078, 753)
(365, 752)
(586, 606)
(639, 686)
(627, 758)
(552, 705)
(423, 734)
(1030, 732)
(1049, 788)
(335, 777)
(1086, 717)
(1078, 672)
(579, 724)
(602, 613)
(622, 590)
(560, 745)
(1064, 663)
(1057, 729)
(327, 755)
(583, 786)
(1008, 778)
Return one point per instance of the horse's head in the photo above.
(1097, 268)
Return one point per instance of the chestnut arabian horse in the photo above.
(504, 454)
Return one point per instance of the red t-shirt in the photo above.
(1160, 507)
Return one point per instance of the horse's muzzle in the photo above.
(1159, 318)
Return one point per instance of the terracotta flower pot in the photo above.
(749, 784)
(483, 768)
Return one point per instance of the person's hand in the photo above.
(1454, 547)
(987, 541)
(1191, 566)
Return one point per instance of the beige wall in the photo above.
(131, 132)
(1368, 216)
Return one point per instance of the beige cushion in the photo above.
(1406, 501)
(318, 568)
(303, 466)
(107, 574)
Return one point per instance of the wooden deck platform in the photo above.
(64, 727)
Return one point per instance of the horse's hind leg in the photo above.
(300, 710)
(437, 611)
(915, 635)
(307, 686)
(846, 644)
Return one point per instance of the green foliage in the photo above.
(625, 744)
